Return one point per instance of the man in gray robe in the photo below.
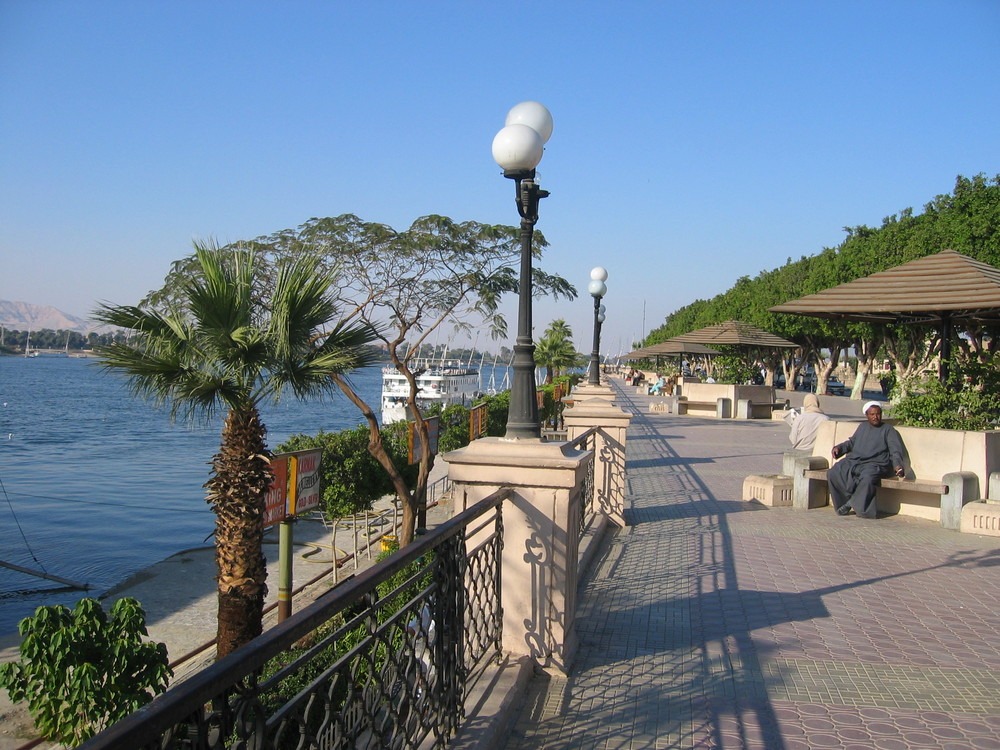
(874, 451)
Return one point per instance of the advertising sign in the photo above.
(305, 481)
(276, 506)
(433, 427)
(477, 422)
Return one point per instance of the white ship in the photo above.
(438, 382)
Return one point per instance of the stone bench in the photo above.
(749, 409)
(721, 407)
(929, 489)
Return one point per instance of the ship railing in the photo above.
(385, 660)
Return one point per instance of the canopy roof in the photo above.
(734, 333)
(667, 348)
(927, 290)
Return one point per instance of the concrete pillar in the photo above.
(541, 537)
(584, 391)
(609, 469)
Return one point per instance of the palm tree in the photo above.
(555, 351)
(236, 338)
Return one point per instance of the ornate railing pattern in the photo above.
(382, 661)
(588, 505)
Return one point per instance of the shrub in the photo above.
(970, 400)
(81, 670)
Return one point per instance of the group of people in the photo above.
(873, 452)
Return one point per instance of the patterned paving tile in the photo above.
(709, 622)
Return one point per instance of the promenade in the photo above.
(710, 622)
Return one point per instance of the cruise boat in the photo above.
(438, 382)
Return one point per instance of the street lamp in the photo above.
(518, 148)
(597, 289)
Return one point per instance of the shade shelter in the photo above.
(936, 290)
(669, 348)
(734, 333)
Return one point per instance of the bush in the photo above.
(970, 400)
(82, 671)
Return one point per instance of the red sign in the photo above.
(276, 506)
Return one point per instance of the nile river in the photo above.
(96, 485)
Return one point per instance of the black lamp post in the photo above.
(518, 148)
(597, 289)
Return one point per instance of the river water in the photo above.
(96, 485)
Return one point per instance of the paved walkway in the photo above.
(714, 623)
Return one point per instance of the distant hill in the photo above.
(23, 316)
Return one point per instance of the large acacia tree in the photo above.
(405, 286)
(237, 333)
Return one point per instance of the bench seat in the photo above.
(927, 466)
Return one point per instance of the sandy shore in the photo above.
(179, 597)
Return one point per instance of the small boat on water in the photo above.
(438, 382)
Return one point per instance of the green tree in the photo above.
(80, 671)
(555, 351)
(405, 285)
(231, 342)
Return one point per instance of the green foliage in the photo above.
(969, 401)
(454, 427)
(81, 670)
(351, 480)
(497, 409)
(966, 220)
(731, 368)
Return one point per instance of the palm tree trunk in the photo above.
(237, 491)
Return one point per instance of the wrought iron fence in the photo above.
(588, 505)
(382, 661)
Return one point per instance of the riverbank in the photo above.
(178, 594)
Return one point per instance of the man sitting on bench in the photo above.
(875, 451)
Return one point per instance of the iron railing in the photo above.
(588, 505)
(382, 661)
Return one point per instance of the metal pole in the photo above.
(285, 569)
(522, 414)
(595, 354)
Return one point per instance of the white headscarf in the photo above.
(869, 405)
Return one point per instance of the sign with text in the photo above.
(295, 487)
(477, 422)
(276, 505)
(305, 481)
(416, 449)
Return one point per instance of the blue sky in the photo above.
(694, 142)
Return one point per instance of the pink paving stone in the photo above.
(824, 740)
(876, 713)
(890, 743)
(985, 743)
(812, 709)
(911, 722)
(845, 719)
(974, 727)
(792, 730)
(796, 745)
(937, 717)
(817, 724)
(919, 738)
(786, 713)
(946, 733)
(883, 728)
(850, 733)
